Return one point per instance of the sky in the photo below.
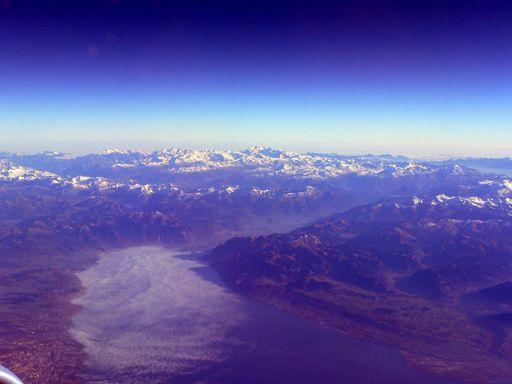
(421, 78)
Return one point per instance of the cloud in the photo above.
(146, 310)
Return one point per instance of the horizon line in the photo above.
(362, 153)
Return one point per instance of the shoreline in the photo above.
(36, 344)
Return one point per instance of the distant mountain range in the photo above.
(198, 194)
(200, 198)
(172, 165)
(412, 254)
(498, 165)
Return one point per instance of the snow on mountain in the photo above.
(479, 202)
(266, 162)
(99, 183)
(259, 161)
(12, 172)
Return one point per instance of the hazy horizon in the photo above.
(78, 148)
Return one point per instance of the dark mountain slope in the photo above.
(394, 272)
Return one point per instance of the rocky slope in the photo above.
(428, 274)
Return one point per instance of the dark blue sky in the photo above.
(417, 77)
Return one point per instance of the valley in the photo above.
(411, 258)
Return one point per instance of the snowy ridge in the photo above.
(259, 161)
(12, 172)
(9, 172)
(473, 201)
(272, 162)
(256, 163)
(450, 201)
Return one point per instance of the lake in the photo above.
(156, 315)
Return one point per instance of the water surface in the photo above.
(154, 315)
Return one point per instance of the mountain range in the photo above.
(407, 253)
